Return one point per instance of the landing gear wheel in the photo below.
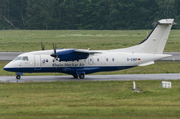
(81, 76)
(18, 77)
(75, 76)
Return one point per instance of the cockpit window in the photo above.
(18, 58)
(25, 58)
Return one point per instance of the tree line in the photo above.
(86, 14)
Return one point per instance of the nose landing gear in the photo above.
(18, 75)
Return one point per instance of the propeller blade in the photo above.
(54, 54)
(42, 46)
(54, 47)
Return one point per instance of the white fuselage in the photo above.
(41, 61)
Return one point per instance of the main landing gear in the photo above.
(75, 76)
(81, 76)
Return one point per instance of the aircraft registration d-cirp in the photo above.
(78, 62)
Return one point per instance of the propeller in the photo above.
(54, 54)
(42, 46)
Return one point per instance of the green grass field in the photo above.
(29, 40)
(87, 100)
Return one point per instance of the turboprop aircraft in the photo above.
(78, 62)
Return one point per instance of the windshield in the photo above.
(18, 58)
(24, 58)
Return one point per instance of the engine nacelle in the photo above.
(70, 55)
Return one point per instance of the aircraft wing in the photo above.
(86, 51)
(74, 54)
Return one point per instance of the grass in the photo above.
(158, 67)
(29, 40)
(79, 100)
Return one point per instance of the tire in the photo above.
(18, 77)
(81, 76)
(75, 76)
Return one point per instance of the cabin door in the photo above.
(37, 62)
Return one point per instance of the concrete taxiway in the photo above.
(123, 77)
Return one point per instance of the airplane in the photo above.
(79, 62)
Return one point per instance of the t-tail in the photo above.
(156, 41)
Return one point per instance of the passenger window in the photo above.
(17, 58)
(98, 59)
(46, 60)
(25, 58)
(113, 59)
(107, 59)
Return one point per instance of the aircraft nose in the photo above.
(7, 67)
(11, 66)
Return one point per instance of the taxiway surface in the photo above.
(123, 77)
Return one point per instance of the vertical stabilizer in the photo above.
(156, 40)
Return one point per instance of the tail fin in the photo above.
(156, 40)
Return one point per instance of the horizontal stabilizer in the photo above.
(147, 63)
(166, 22)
